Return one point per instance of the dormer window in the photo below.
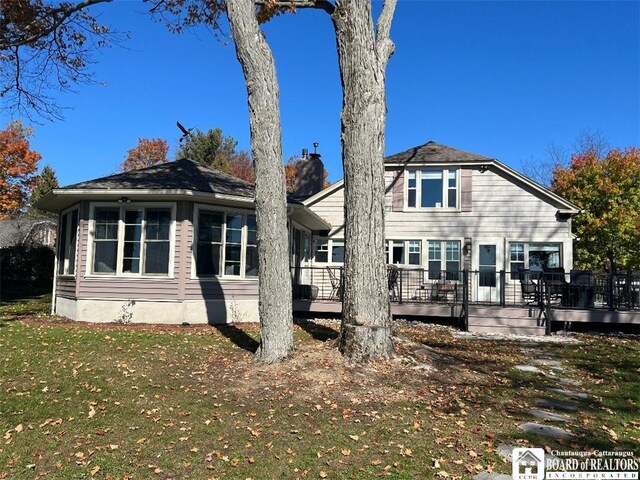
(432, 188)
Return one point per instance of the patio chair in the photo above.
(336, 285)
(554, 279)
(392, 281)
(528, 287)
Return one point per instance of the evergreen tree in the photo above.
(45, 182)
(212, 149)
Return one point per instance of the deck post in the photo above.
(465, 300)
(502, 287)
(400, 287)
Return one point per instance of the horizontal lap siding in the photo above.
(66, 287)
(213, 290)
(331, 208)
(118, 287)
(500, 209)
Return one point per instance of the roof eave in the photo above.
(307, 218)
(59, 199)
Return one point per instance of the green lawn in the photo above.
(114, 401)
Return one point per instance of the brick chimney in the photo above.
(310, 175)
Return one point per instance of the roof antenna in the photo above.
(315, 147)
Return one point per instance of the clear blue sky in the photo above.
(503, 79)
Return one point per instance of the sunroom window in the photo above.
(227, 244)
(132, 240)
(68, 238)
(432, 188)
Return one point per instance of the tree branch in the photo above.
(64, 14)
(384, 45)
(325, 5)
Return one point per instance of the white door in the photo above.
(488, 283)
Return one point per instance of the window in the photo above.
(536, 257)
(432, 188)
(337, 251)
(227, 244)
(322, 251)
(453, 260)
(403, 252)
(449, 263)
(435, 260)
(516, 259)
(329, 250)
(132, 240)
(68, 240)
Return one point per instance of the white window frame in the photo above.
(121, 231)
(243, 249)
(406, 248)
(62, 255)
(443, 256)
(445, 188)
(527, 247)
(328, 242)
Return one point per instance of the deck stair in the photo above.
(506, 320)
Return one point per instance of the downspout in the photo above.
(56, 259)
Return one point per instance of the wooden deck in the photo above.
(522, 320)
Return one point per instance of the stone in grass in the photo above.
(492, 476)
(528, 368)
(505, 451)
(546, 362)
(557, 404)
(569, 393)
(550, 416)
(569, 381)
(550, 431)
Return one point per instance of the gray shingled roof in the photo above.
(179, 175)
(432, 152)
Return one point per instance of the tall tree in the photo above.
(44, 183)
(607, 190)
(147, 153)
(209, 148)
(363, 54)
(18, 167)
(258, 66)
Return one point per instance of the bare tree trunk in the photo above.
(276, 324)
(363, 55)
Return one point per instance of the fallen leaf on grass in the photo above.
(611, 433)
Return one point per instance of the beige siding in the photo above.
(331, 208)
(501, 209)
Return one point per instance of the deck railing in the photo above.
(552, 289)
